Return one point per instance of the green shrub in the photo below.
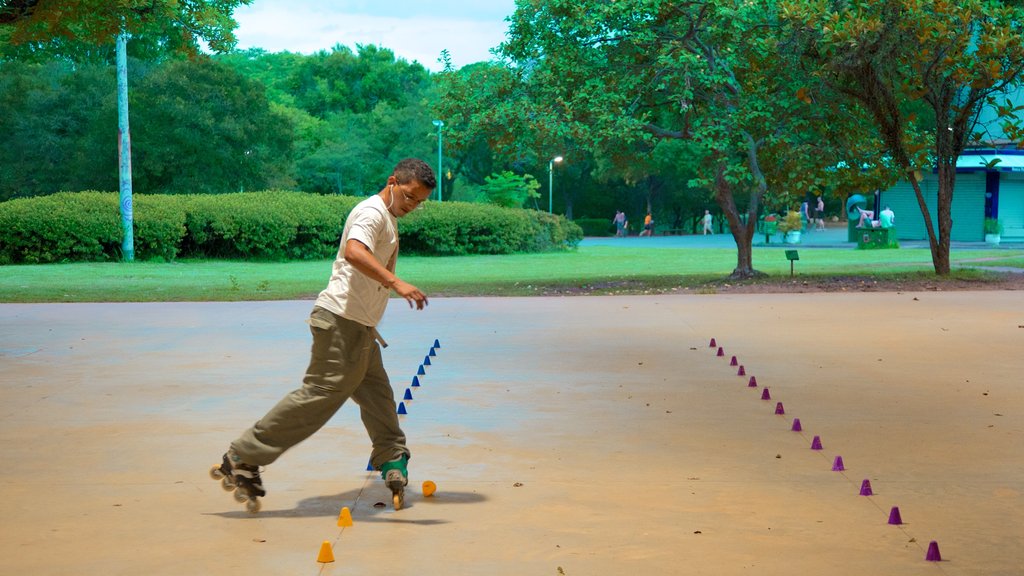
(159, 226)
(275, 225)
(62, 227)
(596, 226)
(456, 228)
(993, 226)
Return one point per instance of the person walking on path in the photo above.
(620, 223)
(648, 225)
(819, 213)
(707, 223)
(345, 360)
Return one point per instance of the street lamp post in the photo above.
(439, 125)
(551, 180)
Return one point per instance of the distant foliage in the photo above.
(596, 226)
(269, 225)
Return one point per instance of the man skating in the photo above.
(345, 361)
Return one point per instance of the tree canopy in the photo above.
(672, 107)
(921, 72)
(616, 78)
(74, 27)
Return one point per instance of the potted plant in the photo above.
(790, 226)
(993, 230)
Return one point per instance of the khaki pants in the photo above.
(345, 362)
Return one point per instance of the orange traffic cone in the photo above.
(326, 554)
(345, 518)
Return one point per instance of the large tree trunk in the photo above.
(742, 233)
(940, 250)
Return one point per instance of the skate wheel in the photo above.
(252, 505)
(398, 500)
(240, 496)
(227, 484)
(215, 472)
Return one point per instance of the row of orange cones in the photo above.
(895, 518)
(326, 554)
(326, 550)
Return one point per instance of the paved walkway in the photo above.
(835, 236)
(576, 436)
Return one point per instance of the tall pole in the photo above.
(439, 125)
(124, 145)
(551, 181)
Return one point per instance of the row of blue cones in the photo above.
(416, 379)
(402, 410)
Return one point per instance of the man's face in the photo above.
(407, 197)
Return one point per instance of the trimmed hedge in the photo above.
(84, 226)
(457, 228)
(270, 225)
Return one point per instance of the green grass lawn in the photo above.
(1011, 262)
(597, 268)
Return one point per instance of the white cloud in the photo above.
(307, 27)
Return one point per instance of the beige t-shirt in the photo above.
(349, 293)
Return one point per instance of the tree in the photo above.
(485, 108)
(901, 59)
(355, 113)
(510, 190)
(618, 77)
(203, 128)
(75, 27)
(337, 81)
(56, 124)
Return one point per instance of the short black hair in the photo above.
(415, 169)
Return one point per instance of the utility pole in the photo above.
(439, 124)
(124, 148)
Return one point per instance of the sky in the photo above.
(413, 30)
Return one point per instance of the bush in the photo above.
(456, 228)
(791, 223)
(63, 227)
(274, 225)
(85, 226)
(993, 226)
(159, 226)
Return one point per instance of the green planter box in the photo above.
(874, 238)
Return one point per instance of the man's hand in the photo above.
(411, 293)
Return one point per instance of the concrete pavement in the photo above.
(577, 436)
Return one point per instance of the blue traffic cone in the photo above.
(401, 408)
(408, 394)
(415, 381)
